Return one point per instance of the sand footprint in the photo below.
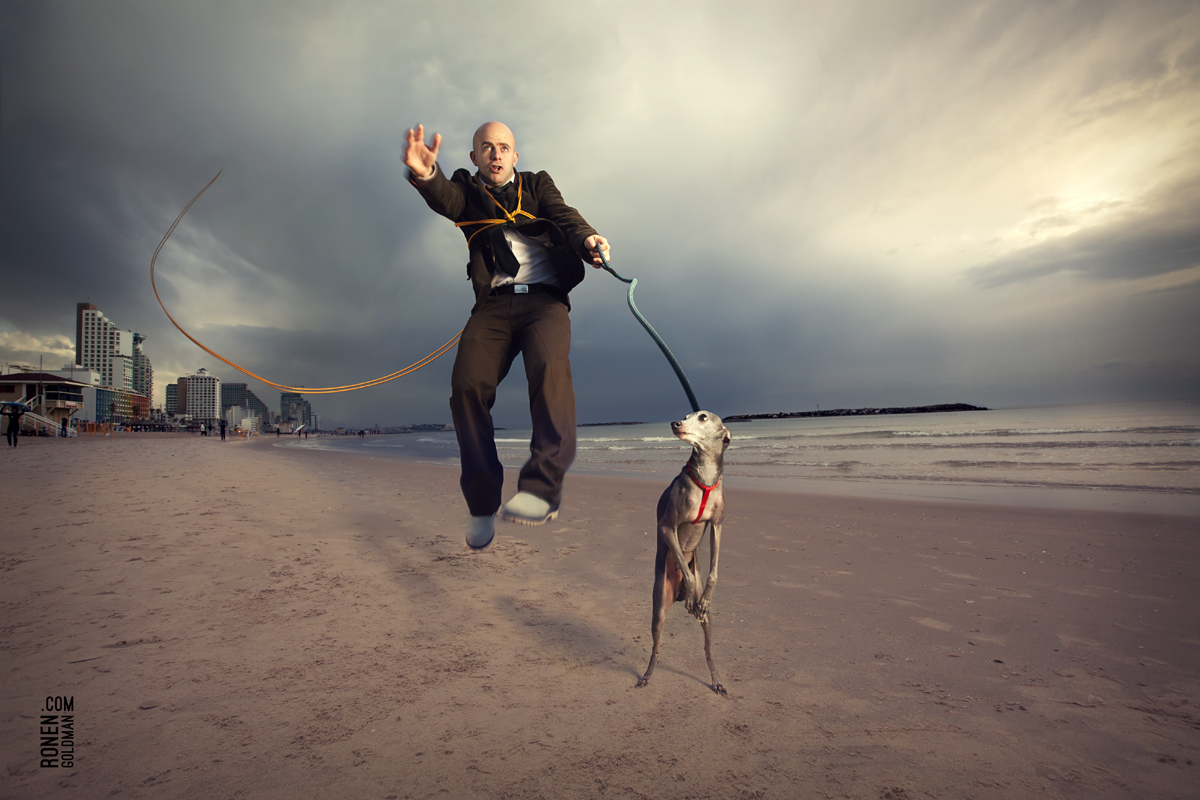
(936, 624)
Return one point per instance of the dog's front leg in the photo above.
(670, 534)
(714, 542)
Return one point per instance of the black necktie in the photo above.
(502, 195)
(502, 252)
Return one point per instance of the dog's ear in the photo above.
(726, 438)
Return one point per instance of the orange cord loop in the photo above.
(301, 389)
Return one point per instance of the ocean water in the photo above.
(1132, 456)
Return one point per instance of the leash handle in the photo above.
(608, 267)
(687, 386)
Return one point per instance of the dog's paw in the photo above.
(643, 681)
(719, 689)
(702, 608)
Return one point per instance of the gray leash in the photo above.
(687, 387)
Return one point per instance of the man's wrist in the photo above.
(415, 178)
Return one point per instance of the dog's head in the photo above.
(704, 429)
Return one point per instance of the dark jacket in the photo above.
(461, 198)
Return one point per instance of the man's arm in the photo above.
(441, 195)
(582, 237)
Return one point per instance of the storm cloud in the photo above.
(847, 204)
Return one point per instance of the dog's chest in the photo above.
(702, 506)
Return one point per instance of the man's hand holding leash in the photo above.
(591, 243)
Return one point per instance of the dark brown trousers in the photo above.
(536, 326)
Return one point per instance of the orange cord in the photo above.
(490, 223)
(301, 389)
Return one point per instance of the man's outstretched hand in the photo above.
(591, 243)
(418, 156)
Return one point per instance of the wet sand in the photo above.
(243, 620)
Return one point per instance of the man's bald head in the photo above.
(493, 132)
(494, 152)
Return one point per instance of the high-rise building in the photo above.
(239, 417)
(143, 372)
(238, 395)
(172, 404)
(293, 407)
(103, 347)
(203, 400)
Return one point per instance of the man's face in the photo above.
(495, 153)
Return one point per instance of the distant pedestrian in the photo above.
(13, 412)
(223, 424)
(276, 432)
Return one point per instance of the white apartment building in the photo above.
(203, 396)
(103, 347)
(239, 417)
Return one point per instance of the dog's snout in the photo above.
(677, 424)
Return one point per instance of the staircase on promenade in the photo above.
(41, 423)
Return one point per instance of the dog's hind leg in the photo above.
(667, 584)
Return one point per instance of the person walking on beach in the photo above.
(13, 412)
(527, 249)
(223, 424)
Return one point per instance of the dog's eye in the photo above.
(703, 417)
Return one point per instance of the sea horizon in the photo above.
(1124, 455)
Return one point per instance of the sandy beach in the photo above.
(241, 620)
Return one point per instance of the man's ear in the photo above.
(473, 161)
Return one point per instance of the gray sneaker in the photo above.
(481, 531)
(527, 509)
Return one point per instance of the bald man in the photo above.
(527, 251)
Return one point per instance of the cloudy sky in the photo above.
(844, 204)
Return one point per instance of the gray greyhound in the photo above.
(693, 502)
